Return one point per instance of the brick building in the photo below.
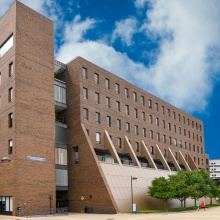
(106, 129)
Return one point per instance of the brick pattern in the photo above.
(32, 107)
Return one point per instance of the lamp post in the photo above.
(132, 178)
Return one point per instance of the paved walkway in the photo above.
(209, 214)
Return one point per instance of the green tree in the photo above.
(180, 186)
(161, 189)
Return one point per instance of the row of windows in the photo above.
(165, 140)
(137, 148)
(118, 124)
(126, 93)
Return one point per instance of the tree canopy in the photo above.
(184, 184)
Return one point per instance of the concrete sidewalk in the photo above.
(209, 214)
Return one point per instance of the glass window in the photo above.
(97, 117)
(135, 113)
(107, 83)
(163, 110)
(174, 115)
(6, 46)
(10, 146)
(61, 156)
(143, 116)
(136, 129)
(156, 106)
(10, 120)
(61, 177)
(127, 109)
(85, 93)
(76, 155)
(10, 95)
(11, 69)
(119, 142)
(142, 100)
(84, 73)
(158, 136)
(118, 124)
(96, 78)
(179, 118)
(149, 103)
(117, 88)
(175, 142)
(170, 140)
(107, 102)
(151, 134)
(118, 108)
(164, 153)
(175, 128)
(163, 124)
(135, 96)
(152, 150)
(164, 139)
(98, 138)
(144, 132)
(180, 130)
(126, 93)
(86, 114)
(157, 121)
(97, 99)
(108, 121)
(168, 112)
(151, 119)
(137, 146)
(127, 126)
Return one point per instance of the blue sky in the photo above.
(169, 48)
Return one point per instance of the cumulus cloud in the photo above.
(125, 29)
(189, 36)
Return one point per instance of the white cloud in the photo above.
(125, 29)
(188, 29)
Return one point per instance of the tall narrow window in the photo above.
(11, 71)
(135, 96)
(86, 114)
(157, 121)
(169, 126)
(118, 107)
(127, 109)
(117, 88)
(151, 134)
(170, 140)
(10, 120)
(10, 146)
(151, 119)
(143, 116)
(118, 124)
(10, 94)
(97, 99)
(164, 152)
(108, 121)
(180, 144)
(76, 155)
(108, 102)
(135, 113)
(174, 115)
(149, 103)
(136, 129)
(0, 78)
(137, 146)
(179, 118)
(142, 100)
(175, 142)
(152, 150)
(164, 139)
(156, 106)
(184, 119)
(144, 132)
(96, 78)
(107, 83)
(127, 126)
(97, 117)
(158, 136)
(119, 142)
(175, 128)
(168, 112)
(84, 73)
(126, 93)
(180, 130)
(163, 110)
(98, 138)
(163, 124)
(85, 93)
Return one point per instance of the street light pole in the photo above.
(132, 178)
